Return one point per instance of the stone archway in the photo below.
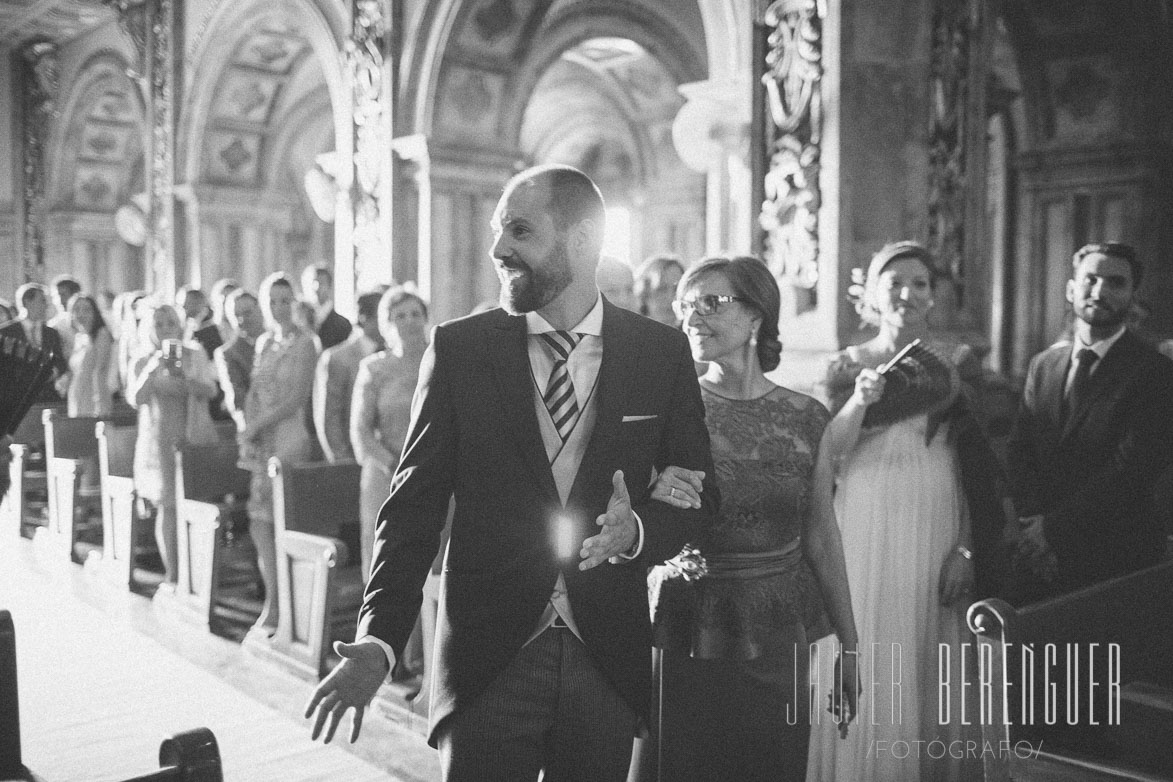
(263, 70)
(95, 167)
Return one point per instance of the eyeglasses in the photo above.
(705, 305)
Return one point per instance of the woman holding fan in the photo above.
(908, 539)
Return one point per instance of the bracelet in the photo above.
(963, 551)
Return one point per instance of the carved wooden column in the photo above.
(957, 153)
(155, 27)
(793, 137)
(369, 69)
(37, 68)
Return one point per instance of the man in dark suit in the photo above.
(1094, 431)
(317, 287)
(234, 359)
(334, 380)
(30, 326)
(544, 420)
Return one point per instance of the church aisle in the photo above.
(102, 680)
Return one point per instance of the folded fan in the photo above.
(917, 381)
(24, 371)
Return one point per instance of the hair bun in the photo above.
(769, 352)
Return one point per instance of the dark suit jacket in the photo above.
(234, 366)
(1092, 473)
(50, 343)
(474, 434)
(333, 330)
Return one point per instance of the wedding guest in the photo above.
(234, 359)
(217, 297)
(317, 286)
(907, 534)
(731, 638)
(90, 392)
(30, 326)
(615, 281)
(275, 422)
(63, 288)
(170, 383)
(655, 287)
(334, 380)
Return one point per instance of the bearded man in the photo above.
(1093, 434)
(544, 420)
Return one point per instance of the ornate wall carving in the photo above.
(790, 213)
(366, 56)
(38, 61)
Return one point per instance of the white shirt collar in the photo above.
(1100, 348)
(591, 325)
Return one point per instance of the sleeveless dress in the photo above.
(733, 690)
(899, 505)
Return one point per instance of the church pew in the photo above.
(120, 527)
(319, 575)
(210, 490)
(71, 463)
(26, 495)
(10, 757)
(1134, 611)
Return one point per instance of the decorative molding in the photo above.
(161, 161)
(366, 56)
(949, 81)
(38, 68)
(793, 79)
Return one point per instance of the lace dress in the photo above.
(729, 672)
(899, 504)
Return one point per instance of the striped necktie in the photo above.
(559, 396)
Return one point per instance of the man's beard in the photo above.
(535, 288)
(1102, 317)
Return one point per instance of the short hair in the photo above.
(656, 266)
(274, 280)
(69, 283)
(572, 196)
(99, 321)
(25, 293)
(368, 304)
(230, 305)
(751, 280)
(396, 295)
(1125, 252)
(313, 270)
(221, 288)
(189, 290)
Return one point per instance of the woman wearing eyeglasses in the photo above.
(907, 536)
(734, 613)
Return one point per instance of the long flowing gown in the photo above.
(733, 694)
(899, 505)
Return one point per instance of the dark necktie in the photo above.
(559, 396)
(1085, 360)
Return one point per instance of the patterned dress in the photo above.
(729, 669)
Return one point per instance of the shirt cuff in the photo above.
(635, 550)
(386, 650)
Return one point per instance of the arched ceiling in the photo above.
(269, 72)
(606, 105)
(57, 20)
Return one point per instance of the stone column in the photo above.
(37, 69)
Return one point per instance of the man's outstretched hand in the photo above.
(619, 531)
(351, 685)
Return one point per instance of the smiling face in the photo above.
(405, 323)
(903, 293)
(1101, 290)
(725, 332)
(529, 252)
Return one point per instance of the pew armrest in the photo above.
(199, 550)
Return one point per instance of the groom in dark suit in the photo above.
(545, 420)
(1095, 429)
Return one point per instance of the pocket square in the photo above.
(627, 419)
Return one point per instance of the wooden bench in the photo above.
(191, 756)
(1134, 611)
(27, 495)
(319, 576)
(210, 491)
(121, 529)
(71, 462)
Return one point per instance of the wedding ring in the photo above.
(672, 492)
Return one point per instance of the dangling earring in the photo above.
(753, 340)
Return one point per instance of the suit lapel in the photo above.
(1054, 374)
(614, 376)
(509, 357)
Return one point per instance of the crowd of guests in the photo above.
(841, 523)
